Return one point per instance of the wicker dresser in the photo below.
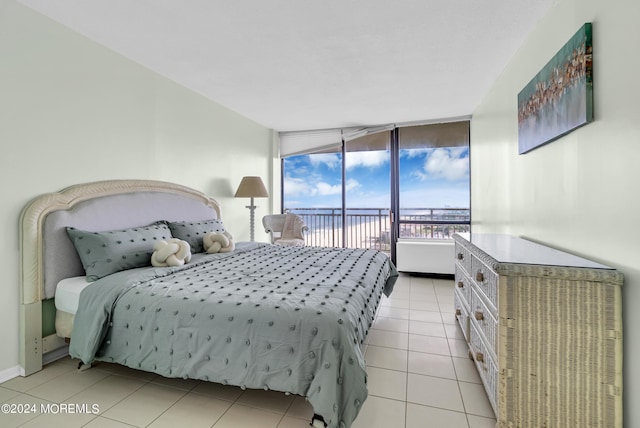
(544, 328)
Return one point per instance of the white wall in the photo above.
(578, 193)
(72, 111)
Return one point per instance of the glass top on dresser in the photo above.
(511, 249)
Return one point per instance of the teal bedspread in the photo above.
(289, 319)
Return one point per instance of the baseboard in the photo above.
(49, 357)
(10, 373)
(55, 355)
(431, 275)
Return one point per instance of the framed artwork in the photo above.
(559, 98)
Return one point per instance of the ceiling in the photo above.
(300, 65)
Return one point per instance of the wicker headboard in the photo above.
(47, 254)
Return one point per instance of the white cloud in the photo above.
(303, 187)
(414, 153)
(447, 164)
(297, 186)
(352, 184)
(331, 160)
(371, 159)
(325, 189)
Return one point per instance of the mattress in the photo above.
(68, 293)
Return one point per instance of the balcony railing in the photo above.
(371, 227)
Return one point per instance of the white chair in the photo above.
(285, 229)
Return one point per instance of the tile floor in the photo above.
(419, 375)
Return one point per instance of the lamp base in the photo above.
(252, 216)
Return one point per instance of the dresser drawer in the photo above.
(485, 364)
(463, 285)
(463, 257)
(484, 320)
(487, 281)
(462, 314)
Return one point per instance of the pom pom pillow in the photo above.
(104, 253)
(218, 242)
(173, 252)
(194, 231)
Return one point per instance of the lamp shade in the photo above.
(251, 187)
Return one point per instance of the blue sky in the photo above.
(434, 177)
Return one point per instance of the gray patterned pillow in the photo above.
(104, 253)
(194, 231)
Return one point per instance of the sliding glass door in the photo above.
(354, 215)
(367, 192)
(312, 188)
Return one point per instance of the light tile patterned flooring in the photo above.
(418, 366)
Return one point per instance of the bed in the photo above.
(290, 319)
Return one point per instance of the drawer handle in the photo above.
(458, 312)
(460, 284)
(460, 256)
(479, 315)
(479, 357)
(479, 276)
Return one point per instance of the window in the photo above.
(434, 190)
(346, 193)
